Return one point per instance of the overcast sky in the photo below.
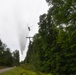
(15, 12)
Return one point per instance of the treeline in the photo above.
(54, 48)
(6, 57)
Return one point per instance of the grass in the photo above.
(21, 71)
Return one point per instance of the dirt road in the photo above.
(6, 69)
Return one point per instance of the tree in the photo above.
(54, 47)
(64, 14)
(5, 55)
(16, 58)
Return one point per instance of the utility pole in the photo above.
(29, 38)
(29, 41)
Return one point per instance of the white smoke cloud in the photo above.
(15, 14)
(22, 34)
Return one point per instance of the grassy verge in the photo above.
(21, 71)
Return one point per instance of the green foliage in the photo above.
(6, 58)
(16, 58)
(53, 49)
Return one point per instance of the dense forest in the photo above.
(6, 57)
(53, 49)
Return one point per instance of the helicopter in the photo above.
(29, 27)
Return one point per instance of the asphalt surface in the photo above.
(6, 69)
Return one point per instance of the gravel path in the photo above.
(6, 69)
